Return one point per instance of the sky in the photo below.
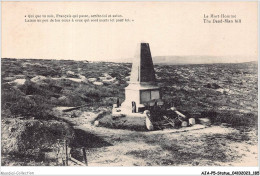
(171, 28)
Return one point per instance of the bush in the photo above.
(18, 104)
(231, 118)
(19, 136)
(209, 114)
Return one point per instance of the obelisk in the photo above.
(142, 87)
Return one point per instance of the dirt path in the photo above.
(211, 146)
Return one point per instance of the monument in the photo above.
(143, 105)
(142, 91)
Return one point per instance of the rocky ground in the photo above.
(200, 145)
(33, 91)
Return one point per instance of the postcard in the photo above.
(129, 83)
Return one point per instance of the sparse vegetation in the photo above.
(225, 93)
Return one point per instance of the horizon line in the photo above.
(165, 63)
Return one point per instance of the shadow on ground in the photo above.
(88, 140)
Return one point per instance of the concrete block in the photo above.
(192, 121)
